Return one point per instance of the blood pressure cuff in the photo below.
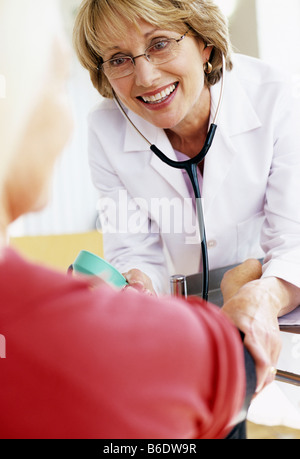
(239, 431)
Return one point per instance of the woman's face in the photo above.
(181, 79)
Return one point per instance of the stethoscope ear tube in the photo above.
(191, 167)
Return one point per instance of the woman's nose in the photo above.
(145, 72)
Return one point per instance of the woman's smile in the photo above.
(157, 100)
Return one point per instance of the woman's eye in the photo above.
(159, 46)
(118, 61)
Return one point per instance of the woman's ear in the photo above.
(207, 52)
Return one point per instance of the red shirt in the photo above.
(102, 363)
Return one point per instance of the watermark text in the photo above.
(126, 215)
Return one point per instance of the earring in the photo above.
(208, 68)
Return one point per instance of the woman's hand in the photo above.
(253, 304)
(235, 278)
(139, 281)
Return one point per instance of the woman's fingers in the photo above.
(139, 281)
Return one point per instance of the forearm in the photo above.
(278, 295)
(284, 296)
(288, 294)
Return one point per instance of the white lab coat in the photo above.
(251, 183)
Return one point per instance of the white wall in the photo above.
(279, 36)
(279, 32)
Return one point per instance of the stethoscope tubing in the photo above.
(191, 167)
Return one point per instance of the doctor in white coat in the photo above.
(162, 60)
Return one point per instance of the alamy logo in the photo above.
(2, 347)
(127, 215)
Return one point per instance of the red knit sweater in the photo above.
(101, 363)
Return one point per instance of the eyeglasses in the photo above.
(160, 52)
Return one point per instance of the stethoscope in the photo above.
(191, 166)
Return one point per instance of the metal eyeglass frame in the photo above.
(147, 56)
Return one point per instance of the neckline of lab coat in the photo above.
(222, 153)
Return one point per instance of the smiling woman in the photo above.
(249, 212)
(56, 382)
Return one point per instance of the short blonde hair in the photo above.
(100, 21)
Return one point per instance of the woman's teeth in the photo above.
(160, 96)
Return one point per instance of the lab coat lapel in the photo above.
(156, 136)
(174, 177)
(237, 116)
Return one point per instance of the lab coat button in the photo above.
(211, 244)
